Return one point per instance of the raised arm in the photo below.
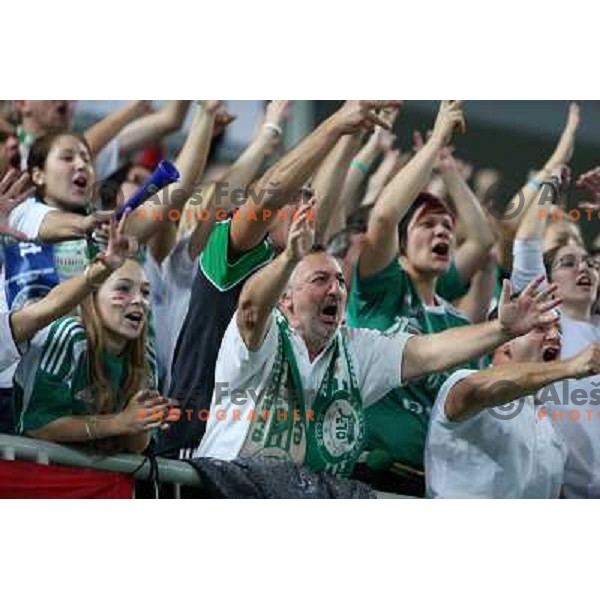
(282, 182)
(221, 195)
(440, 351)
(590, 180)
(476, 302)
(328, 185)
(61, 225)
(505, 383)
(262, 292)
(389, 166)
(381, 241)
(380, 142)
(516, 208)
(62, 299)
(473, 252)
(101, 133)
(190, 163)
(535, 216)
(154, 126)
(268, 138)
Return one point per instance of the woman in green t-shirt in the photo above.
(92, 379)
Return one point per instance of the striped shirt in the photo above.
(54, 376)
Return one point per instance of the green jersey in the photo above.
(54, 380)
(398, 423)
(451, 286)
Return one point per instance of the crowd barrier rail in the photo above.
(174, 472)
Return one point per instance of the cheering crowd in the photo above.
(352, 309)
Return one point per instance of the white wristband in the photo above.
(274, 127)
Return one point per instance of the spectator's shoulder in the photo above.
(62, 339)
(215, 259)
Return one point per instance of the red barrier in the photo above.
(20, 479)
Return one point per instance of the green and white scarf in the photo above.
(327, 437)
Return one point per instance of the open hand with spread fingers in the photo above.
(14, 189)
(301, 237)
(120, 245)
(531, 308)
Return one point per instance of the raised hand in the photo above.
(120, 246)
(210, 106)
(302, 232)
(390, 113)
(223, 118)
(388, 167)
(530, 309)
(590, 180)
(383, 139)
(14, 189)
(362, 114)
(450, 117)
(276, 113)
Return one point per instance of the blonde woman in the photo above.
(91, 379)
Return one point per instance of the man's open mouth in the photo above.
(441, 249)
(551, 353)
(330, 310)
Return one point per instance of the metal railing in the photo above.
(174, 472)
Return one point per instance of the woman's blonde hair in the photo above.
(138, 369)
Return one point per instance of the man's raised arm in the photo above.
(381, 244)
(262, 291)
(440, 351)
(499, 385)
(286, 177)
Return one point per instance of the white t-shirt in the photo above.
(178, 271)
(29, 216)
(573, 405)
(9, 354)
(107, 160)
(490, 457)
(377, 358)
(70, 257)
(171, 286)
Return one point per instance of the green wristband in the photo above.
(357, 164)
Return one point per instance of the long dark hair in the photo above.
(38, 153)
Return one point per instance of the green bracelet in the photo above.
(357, 164)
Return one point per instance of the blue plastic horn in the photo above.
(164, 174)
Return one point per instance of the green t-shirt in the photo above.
(53, 378)
(451, 286)
(398, 423)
